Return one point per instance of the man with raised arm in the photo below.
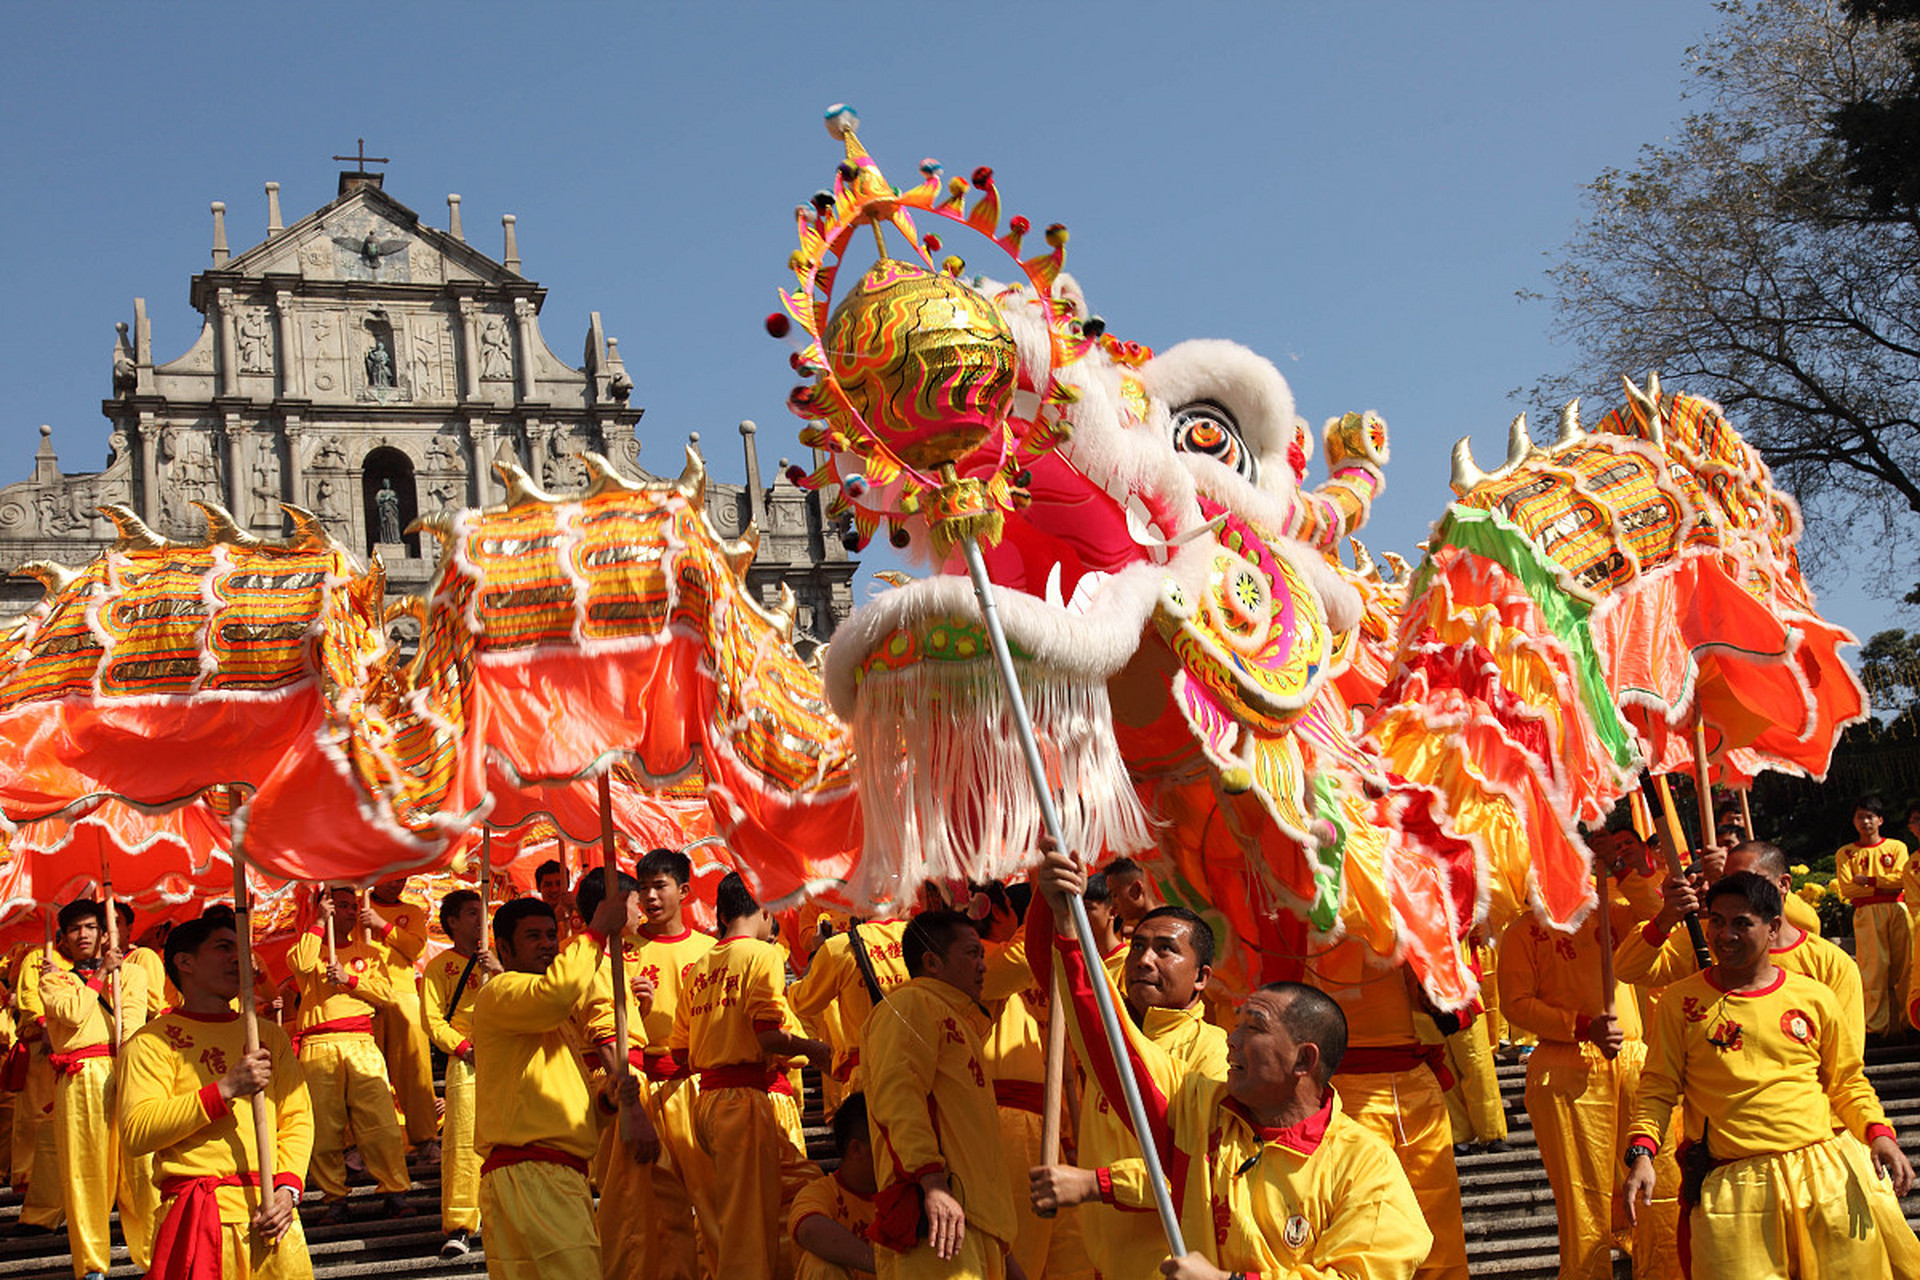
(451, 984)
(1268, 1175)
(188, 1089)
(1758, 1056)
(534, 1125)
(944, 1208)
(398, 1026)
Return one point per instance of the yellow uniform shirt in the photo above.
(401, 943)
(833, 978)
(320, 1000)
(530, 1091)
(728, 996)
(663, 960)
(26, 993)
(830, 1198)
(1757, 1070)
(1884, 862)
(79, 1009)
(1016, 1047)
(449, 1033)
(1801, 914)
(170, 1105)
(1371, 992)
(1550, 981)
(1326, 1197)
(930, 1102)
(148, 961)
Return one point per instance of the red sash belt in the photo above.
(843, 1070)
(1398, 1057)
(1876, 899)
(1021, 1095)
(188, 1246)
(502, 1157)
(746, 1075)
(362, 1025)
(68, 1064)
(657, 1066)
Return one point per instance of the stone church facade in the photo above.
(369, 368)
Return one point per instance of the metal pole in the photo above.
(486, 887)
(243, 934)
(1082, 926)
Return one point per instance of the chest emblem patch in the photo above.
(1297, 1231)
(1797, 1025)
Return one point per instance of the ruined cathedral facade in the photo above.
(369, 368)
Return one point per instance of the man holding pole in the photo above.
(402, 935)
(1270, 1174)
(187, 1094)
(80, 1011)
(452, 982)
(534, 1126)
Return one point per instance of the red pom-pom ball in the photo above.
(778, 325)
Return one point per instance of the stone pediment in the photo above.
(366, 236)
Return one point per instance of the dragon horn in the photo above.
(1363, 559)
(1398, 564)
(222, 528)
(786, 614)
(1648, 402)
(1519, 442)
(1465, 474)
(308, 533)
(134, 534)
(740, 554)
(521, 490)
(603, 477)
(405, 607)
(1570, 429)
(693, 479)
(437, 523)
(53, 576)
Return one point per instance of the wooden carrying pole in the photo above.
(113, 944)
(486, 888)
(1666, 825)
(1056, 1077)
(1702, 785)
(1603, 933)
(243, 932)
(616, 951)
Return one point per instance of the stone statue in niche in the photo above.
(379, 365)
(265, 508)
(255, 341)
(388, 504)
(496, 351)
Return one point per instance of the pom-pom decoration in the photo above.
(915, 370)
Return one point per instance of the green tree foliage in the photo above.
(1740, 261)
(1882, 134)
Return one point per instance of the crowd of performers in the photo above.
(1716, 1120)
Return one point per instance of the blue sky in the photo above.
(1355, 190)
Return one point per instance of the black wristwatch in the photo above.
(1635, 1151)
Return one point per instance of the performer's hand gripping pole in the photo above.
(1667, 830)
(1082, 926)
(263, 1127)
(616, 953)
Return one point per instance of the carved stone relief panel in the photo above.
(327, 498)
(425, 264)
(429, 358)
(366, 247)
(561, 470)
(254, 338)
(316, 259)
(444, 454)
(189, 473)
(496, 350)
(263, 481)
(326, 359)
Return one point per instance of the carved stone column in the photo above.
(484, 446)
(237, 495)
(294, 490)
(149, 446)
(469, 349)
(229, 352)
(523, 318)
(292, 379)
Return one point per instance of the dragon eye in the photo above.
(1206, 428)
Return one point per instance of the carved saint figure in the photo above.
(330, 454)
(265, 511)
(379, 364)
(425, 347)
(388, 503)
(254, 335)
(441, 455)
(326, 501)
(496, 355)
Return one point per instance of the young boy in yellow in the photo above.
(79, 1013)
(944, 1207)
(831, 1215)
(188, 1088)
(534, 1125)
(398, 1025)
(346, 1076)
(1269, 1175)
(733, 1029)
(1869, 872)
(449, 988)
(1758, 1057)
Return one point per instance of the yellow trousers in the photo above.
(646, 1214)
(1474, 1112)
(1580, 1104)
(245, 1256)
(807, 1267)
(459, 1162)
(88, 1163)
(139, 1207)
(539, 1220)
(347, 1080)
(1814, 1213)
(1882, 942)
(1046, 1247)
(1408, 1109)
(403, 1045)
(981, 1257)
(758, 1168)
(6, 1135)
(34, 1145)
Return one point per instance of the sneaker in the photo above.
(456, 1246)
(1497, 1146)
(333, 1215)
(1463, 1148)
(96, 1275)
(354, 1163)
(396, 1206)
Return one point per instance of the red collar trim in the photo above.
(190, 1016)
(1875, 845)
(1779, 977)
(1303, 1138)
(681, 936)
(1791, 946)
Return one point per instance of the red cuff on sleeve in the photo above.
(388, 931)
(353, 981)
(211, 1102)
(462, 1047)
(766, 1024)
(1881, 1131)
(1104, 1176)
(1582, 1023)
(1653, 937)
(317, 931)
(289, 1182)
(1642, 1140)
(599, 939)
